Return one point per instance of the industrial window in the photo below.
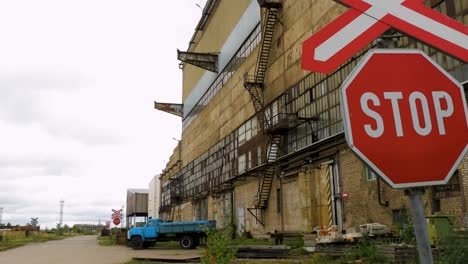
(396, 217)
(436, 205)
(166, 194)
(316, 98)
(370, 175)
(242, 163)
(247, 131)
(209, 170)
(259, 155)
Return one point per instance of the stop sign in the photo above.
(116, 221)
(406, 117)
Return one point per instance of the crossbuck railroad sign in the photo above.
(368, 19)
(117, 214)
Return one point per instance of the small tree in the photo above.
(219, 249)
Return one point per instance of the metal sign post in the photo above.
(419, 223)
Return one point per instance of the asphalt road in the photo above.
(86, 250)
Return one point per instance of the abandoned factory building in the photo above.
(262, 142)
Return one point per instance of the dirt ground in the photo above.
(85, 249)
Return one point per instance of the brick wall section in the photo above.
(362, 205)
(462, 220)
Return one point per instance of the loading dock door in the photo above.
(322, 209)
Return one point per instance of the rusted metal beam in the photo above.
(174, 109)
(255, 215)
(207, 61)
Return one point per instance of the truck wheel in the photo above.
(137, 242)
(186, 242)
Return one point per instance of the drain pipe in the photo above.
(232, 214)
(281, 201)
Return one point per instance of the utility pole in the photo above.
(61, 214)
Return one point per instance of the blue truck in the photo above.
(188, 234)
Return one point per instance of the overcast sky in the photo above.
(77, 83)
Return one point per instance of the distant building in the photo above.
(154, 199)
(137, 206)
(88, 227)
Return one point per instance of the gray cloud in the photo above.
(24, 100)
(30, 167)
(21, 91)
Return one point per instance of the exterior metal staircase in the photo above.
(254, 85)
(269, 172)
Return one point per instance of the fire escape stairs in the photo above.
(255, 85)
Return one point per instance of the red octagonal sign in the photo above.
(406, 117)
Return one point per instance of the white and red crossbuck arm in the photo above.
(368, 19)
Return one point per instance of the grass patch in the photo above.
(107, 240)
(7, 247)
(12, 239)
(296, 242)
(167, 244)
(364, 252)
(298, 252)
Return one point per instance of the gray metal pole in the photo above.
(420, 229)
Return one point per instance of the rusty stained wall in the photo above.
(182, 212)
(220, 208)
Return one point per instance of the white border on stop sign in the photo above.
(347, 123)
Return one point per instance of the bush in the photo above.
(218, 246)
(453, 250)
